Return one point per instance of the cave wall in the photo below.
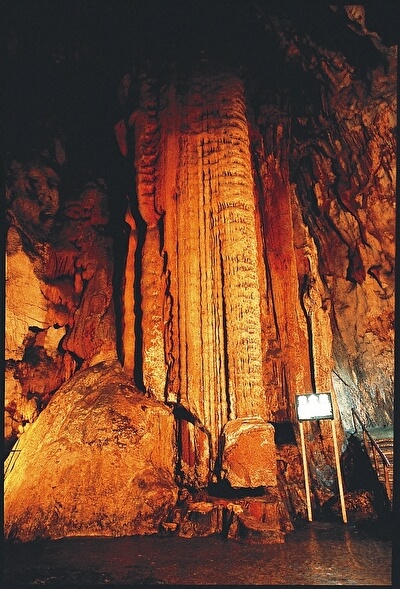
(234, 248)
(349, 175)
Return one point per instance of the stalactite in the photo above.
(128, 297)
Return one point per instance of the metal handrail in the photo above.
(371, 439)
(375, 449)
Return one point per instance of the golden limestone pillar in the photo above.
(213, 259)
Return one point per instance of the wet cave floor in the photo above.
(315, 554)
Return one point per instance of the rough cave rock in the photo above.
(99, 461)
(248, 453)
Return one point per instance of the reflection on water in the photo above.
(316, 554)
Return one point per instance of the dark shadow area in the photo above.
(224, 489)
(370, 506)
(284, 433)
(360, 474)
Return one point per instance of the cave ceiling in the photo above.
(65, 58)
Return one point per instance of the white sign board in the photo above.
(314, 406)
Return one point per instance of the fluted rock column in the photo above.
(299, 355)
(156, 153)
(213, 259)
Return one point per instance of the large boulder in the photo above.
(249, 453)
(98, 461)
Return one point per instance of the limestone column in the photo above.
(211, 243)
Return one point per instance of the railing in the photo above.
(376, 451)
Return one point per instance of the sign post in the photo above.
(305, 468)
(314, 407)
(339, 472)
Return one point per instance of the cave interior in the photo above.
(200, 205)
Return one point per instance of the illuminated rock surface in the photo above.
(248, 453)
(98, 461)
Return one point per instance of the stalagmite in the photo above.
(217, 259)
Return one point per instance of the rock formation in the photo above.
(234, 248)
(98, 461)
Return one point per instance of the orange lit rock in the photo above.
(290, 478)
(34, 326)
(262, 519)
(194, 448)
(201, 305)
(252, 530)
(249, 455)
(339, 181)
(287, 363)
(201, 519)
(92, 335)
(98, 461)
